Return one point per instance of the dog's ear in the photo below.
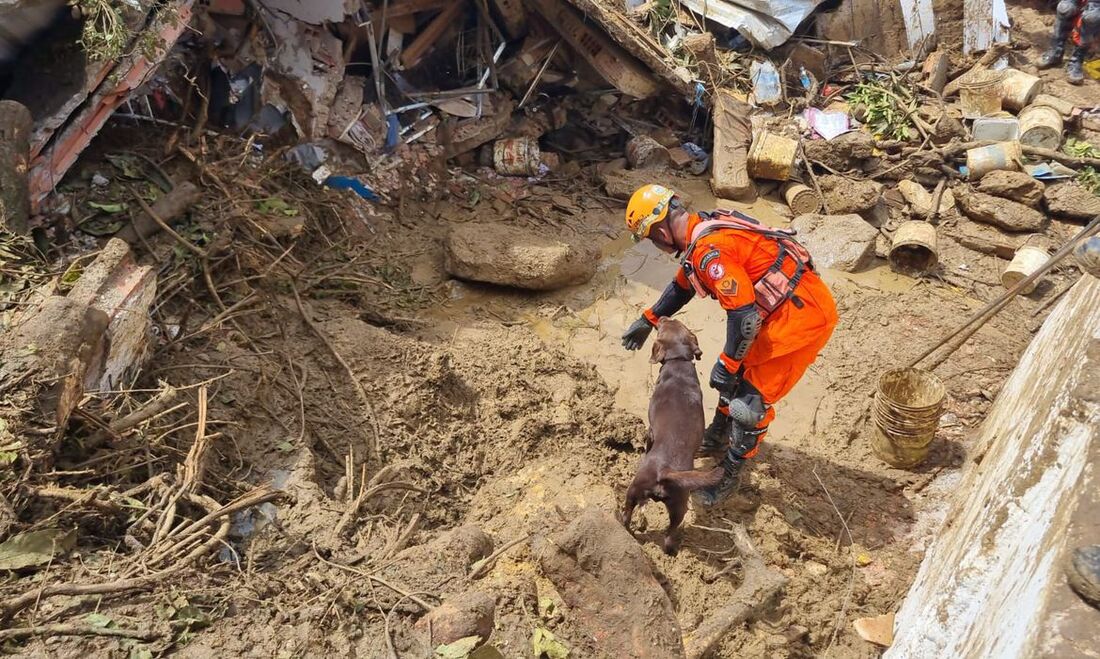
(694, 343)
(658, 354)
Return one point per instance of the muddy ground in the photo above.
(512, 413)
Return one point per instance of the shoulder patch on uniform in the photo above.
(716, 271)
(707, 258)
(728, 287)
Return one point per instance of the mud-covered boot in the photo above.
(1083, 573)
(716, 436)
(731, 477)
(1053, 55)
(1075, 69)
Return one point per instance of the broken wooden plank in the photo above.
(639, 43)
(427, 39)
(615, 64)
(15, 132)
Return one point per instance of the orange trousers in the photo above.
(774, 377)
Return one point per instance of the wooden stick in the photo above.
(17, 633)
(982, 316)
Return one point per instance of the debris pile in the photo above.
(230, 231)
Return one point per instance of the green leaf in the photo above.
(35, 548)
(276, 206)
(139, 652)
(7, 457)
(113, 209)
(99, 620)
(460, 649)
(128, 165)
(543, 643)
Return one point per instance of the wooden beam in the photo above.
(424, 41)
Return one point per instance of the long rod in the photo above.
(965, 331)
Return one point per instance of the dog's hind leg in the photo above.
(633, 498)
(677, 505)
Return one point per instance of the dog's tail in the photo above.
(695, 479)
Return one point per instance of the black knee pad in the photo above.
(1066, 9)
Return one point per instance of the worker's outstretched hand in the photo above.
(634, 337)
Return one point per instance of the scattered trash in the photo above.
(765, 83)
(1041, 126)
(878, 630)
(984, 159)
(1027, 260)
(353, 184)
(827, 124)
(996, 129)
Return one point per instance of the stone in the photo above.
(1071, 201)
(470, 613)
(1016, 186)
(621, 183)
(985, 239)
(935, 70)
(1001, 213)
(511, 256)
(644, 152)
(846, 151)
(816, 569)
(921, 200)
(840, 242)
(607, 582)
(843, 196)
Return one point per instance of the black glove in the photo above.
(722, 380)
(634, 337)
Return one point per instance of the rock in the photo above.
(921, 200)
(680, 158)
(1016, 186)
(510, 256)
(1001, 213)
(644, 152)
(608, 585)
(985, 239)
(422, 567)
(701, 46)
(878, 630)
(843, 196)
(840, 242)
(847, 151)
(816, 569)
(1070, 200)
(470, 613)
(729, 176)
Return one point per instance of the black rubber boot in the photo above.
(1083, 573)
(1075, 69)
(1053, 56)
(716, 436)
(731, 477)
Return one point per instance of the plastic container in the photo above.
(906, 412)
(914, 249)
(1088, 256)
(1041, 126)
(765, 83)
(1018, 89)
(981, 96)
(984, 159)
(997, 129)
(517, 156)
(801, 199)
(772, 157)
(1027, 260)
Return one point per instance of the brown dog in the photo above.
(675, 432)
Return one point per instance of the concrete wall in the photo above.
(991, 584)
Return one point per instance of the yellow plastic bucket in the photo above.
(1041, 126)
(981, 96)
(914, 249)
(906, 413)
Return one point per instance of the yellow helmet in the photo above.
(647, 206)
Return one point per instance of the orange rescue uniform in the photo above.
(728, 262)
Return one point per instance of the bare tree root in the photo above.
(751, 599)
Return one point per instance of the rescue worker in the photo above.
(779, 314)
(1078, 20)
